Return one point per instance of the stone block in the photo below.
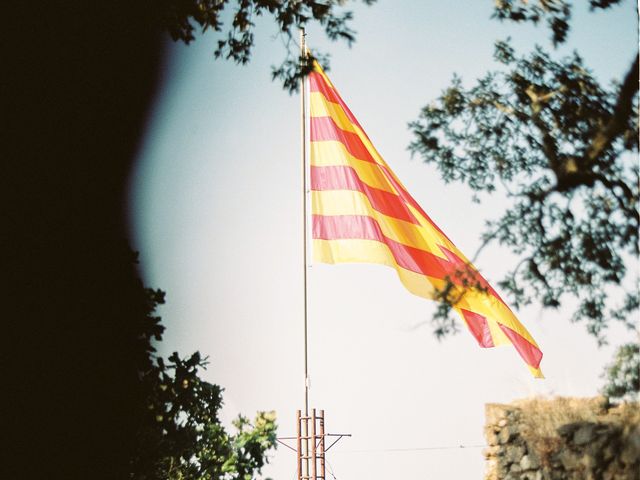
(532, 475)
(492, 451)
(568, 429)
(491, 475)
(514, 454)
(604, 444)
(568, 459)
(588, 463)
(507, 434)
(529, 462)
(630, 455)
(609, 452)
(584, 434)
(491, 436)
(503, 464)
(494, 412)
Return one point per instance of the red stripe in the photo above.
(318, 84)
(341, 177)
(529, 352)
(421, 262)
(325, 129)
(479, 328)
(469, 275)
(363, 227)
(366, 228)
(407, 257)
(414, 259)
(410, 200)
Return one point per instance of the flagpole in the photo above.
(303, 55)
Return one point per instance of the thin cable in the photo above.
(330, 469)
(288, 446)
(412, 449)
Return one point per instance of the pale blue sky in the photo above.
(216, 214)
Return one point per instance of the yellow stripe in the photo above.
(318, 68)
(342, 251)
(440, 239)
(491, 308)
(319, 106)
(536, 372)
(324, 153)
(370, 251)
(333, 153)
(349, 202)
(374, 153)
(322, 107)
(498, 336)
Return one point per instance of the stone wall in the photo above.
(562, 439)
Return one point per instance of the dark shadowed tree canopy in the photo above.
(563, 148)
(234, 22)
(179, 434)
(79, 78)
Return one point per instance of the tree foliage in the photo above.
(236, 36)
(180, 435)
(557, 13)
(623, 375)
(562, 147)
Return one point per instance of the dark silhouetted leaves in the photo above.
(556, 12)
(563, 147)
(182, 17)
(179, 432)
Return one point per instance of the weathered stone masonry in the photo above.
(533, 441)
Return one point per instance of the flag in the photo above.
(361, 212)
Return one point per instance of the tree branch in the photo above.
(576, 179)
(616, 124)
(549, 145)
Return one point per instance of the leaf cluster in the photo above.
(557, 13)
(180, 435)
(563, 147)
(623, 374)
(181, 18)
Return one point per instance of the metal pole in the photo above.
(303, 142)
(303, 55)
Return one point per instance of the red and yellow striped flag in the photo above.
(362, 213)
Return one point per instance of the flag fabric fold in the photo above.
(361, 212)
